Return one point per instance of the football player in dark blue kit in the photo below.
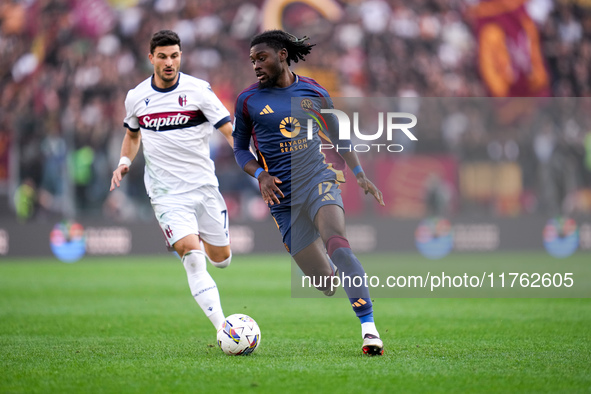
(296, 179)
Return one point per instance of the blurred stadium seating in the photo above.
(66, 66)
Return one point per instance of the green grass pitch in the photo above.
(130, 325)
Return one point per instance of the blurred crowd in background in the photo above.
(66, 66)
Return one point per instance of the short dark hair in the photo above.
(297, 48)
(164, 38)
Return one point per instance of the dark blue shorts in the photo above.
(296, 220)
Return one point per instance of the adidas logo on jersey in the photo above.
(328, 197)
(266, 110)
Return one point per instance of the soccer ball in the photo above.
(239, 335)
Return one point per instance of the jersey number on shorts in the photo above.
(225, 213)
(324, 188)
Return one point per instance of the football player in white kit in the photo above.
(174, 115)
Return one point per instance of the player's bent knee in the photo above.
(222, 264)
(194, 262)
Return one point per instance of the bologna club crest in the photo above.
(168, 231)
(182, 100)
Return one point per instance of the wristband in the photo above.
(124, 160)
(258, 172)
(357, 170)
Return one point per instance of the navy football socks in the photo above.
(352, 276)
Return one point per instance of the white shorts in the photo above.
(202, 212)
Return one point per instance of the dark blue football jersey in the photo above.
(277, 121)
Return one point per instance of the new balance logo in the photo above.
(328, 197)
(267, 110)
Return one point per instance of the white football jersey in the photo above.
(176, 124)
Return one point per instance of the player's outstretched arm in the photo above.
(369, 187)
(129, 149)
(226, 130)
(362, 180)
(353, 162)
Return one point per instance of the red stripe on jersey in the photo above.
(246, 116)
(310, 81)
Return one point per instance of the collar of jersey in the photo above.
(170, 89)
(295, 82)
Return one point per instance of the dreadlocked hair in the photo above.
(297, 48)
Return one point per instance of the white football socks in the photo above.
(369, 328)
(203, 286)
